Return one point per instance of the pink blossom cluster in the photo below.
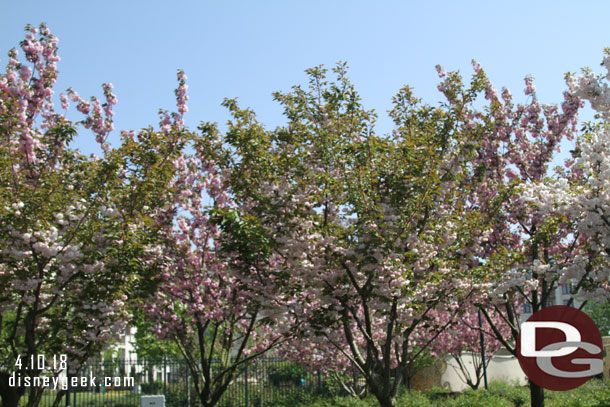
(98, 115)
(27, 88)
(176, 119)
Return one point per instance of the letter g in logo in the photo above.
(555, 344)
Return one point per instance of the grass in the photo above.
(594, 393)
(112, 398)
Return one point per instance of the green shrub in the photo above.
(594, 393)
(478, 398)
(338, 401)
(152, 387)
(286, 373)
(268, 397)
(418, 399)
(513, 392)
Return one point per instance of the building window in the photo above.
(566, 288)
(549, 303)
(566, 302)
(527, 308)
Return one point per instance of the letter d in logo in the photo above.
(528, 338)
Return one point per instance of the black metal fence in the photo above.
(263, 382)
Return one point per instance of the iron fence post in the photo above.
(68, 388)
(483, 350)
(188, 387)
(165, 377)
(246, 381)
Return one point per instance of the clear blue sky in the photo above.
(248, 49)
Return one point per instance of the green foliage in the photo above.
(260, 396)
(518, 395)
(247, 238)
(479, 398)
(342, 402)
(600, 314)
(84, 399)
(148, 346)
(594, 393)
(286, 373)
(152, 387)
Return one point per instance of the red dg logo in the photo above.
(560, 348)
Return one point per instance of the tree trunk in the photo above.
(536, 395)
(406, 378)
(10, 398)
(59, 397)
(8, 394)
(384, 394)
(34, 396)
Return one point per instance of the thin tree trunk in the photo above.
(34, 396)
(59, 397)
(536, 395)
(8, 394)
(10, 398)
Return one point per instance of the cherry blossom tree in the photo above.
(579, 196)
(378, 232)
(214, 296)
(527, 251)
(372, 232)
(69, 224)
